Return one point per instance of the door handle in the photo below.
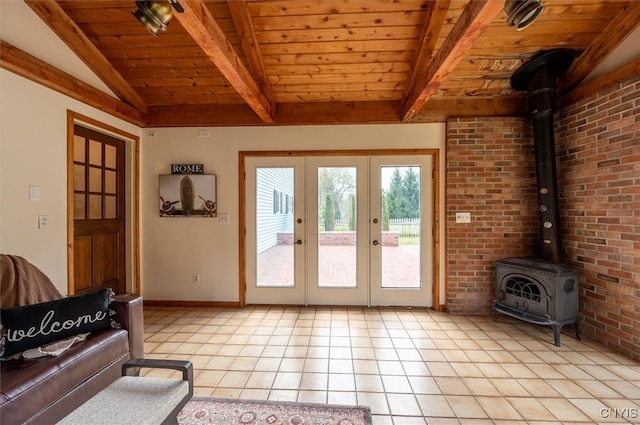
(298, 242)
(376, 243)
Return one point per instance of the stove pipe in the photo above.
(538, 76)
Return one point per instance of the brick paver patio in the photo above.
(337, 265)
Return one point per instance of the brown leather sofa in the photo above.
(44, 390)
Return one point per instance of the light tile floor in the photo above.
(411, 366)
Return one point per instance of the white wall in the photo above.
(33, 151)
(175, 248)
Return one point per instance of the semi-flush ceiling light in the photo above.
(154, 15)
(522, 13)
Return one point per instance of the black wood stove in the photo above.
(542, 291)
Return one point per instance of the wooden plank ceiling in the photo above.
(290, 62)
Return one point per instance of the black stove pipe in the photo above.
(538, 76)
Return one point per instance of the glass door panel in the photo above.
(275, 266)
(401, 223)
(336, 251)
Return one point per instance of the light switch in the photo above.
(43, 221)
(34, 193)
(223, 218)
(463, 217)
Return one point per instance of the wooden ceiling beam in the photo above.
(25, 65)
(440, 109)
(625, 22)
(326, 113)
(56, 18)
(205, 31)
(246, 31)
(475, 18)
(436, 15)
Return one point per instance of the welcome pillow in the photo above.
(34, 325)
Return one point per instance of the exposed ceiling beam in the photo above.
(28, 66)
(205, 31)
(52, 14)
(475, 18)
(321, 113)
(606, 42)
(436, 15)
(246, 31)
(440, 109)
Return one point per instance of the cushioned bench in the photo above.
(138, 400)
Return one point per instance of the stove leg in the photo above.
(556, 334)
(577, 326)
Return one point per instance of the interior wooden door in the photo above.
(99, 211)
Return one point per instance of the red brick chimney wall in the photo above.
(598, 148)
(490, 173)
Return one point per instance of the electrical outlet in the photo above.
(43, 221)
(223, 218)
(463, 217)
(195, 278)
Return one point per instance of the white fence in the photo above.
(405, 226)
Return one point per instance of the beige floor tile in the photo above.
(291, 365)
(452, 385)
(562, 409)
(234, 379)
(340, 366)
(376, 401)
(315, 381)
(529, 408)
(283, 395)
(287, 380)
(260, 380)
(342, 397)
(480, 386)
(410, 366)
(498, 408)
(341, 382)
(396, 384)
(306, 396)
(435, 406)
(466, 369)
(597, 389)
(403, 404)
(466, 407)
(365, 367)
(369, 383)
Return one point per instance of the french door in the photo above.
(339, 230)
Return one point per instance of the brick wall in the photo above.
(491, 174)
(598, 146)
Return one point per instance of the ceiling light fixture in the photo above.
(154, 15)
(522, 13)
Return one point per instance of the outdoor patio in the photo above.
(337, 265)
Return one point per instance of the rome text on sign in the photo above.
(187, 169)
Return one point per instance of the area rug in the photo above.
(222, 411)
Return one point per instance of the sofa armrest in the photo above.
(129, 314)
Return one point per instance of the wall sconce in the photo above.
(522, 13)
(154, 15)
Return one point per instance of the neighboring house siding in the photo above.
(273, 217)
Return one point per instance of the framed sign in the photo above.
(188, 195)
